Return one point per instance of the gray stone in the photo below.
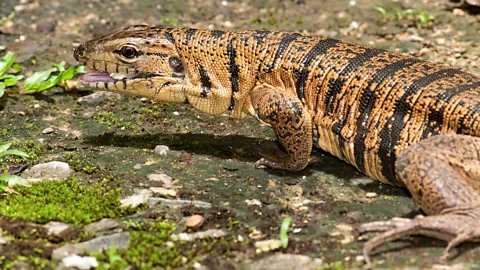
(285, 262)
(268, 245)
(55, 227)
(179, 203)
(98, 98)
(162, 150)
(119, 240)
(165, 179)
(141, 196)
(48, 130)
(102, 225)
(213, 233)
(82, 263)
(53, 170)
(163, 192)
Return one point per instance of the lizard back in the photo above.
(366, 104)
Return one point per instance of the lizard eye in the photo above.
(175, 64)
(128, 52)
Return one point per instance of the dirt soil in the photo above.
(211, 158)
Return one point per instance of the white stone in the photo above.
(142, 196)
(82, 263)
(268, 245)
(54, 170)
(212, 233)
(48, 130)
(162, 150)
(164, 192)
(165, 179)
(253, 202)
(55, 227)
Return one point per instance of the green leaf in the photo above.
(13, 152)
(3, 185)
(4, 147)
(2, 48)
(39, 77)
(2, 89)
(10, 79)
(42, 80)
(16, 180)
(382, 11)
(80, 69)
(6, 62)
(60, 66)
(17, 67)
(284, 231)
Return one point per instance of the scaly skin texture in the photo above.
(399, 120)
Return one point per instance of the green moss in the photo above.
(110, 119)
(34, 262)
(80, 162)
(338, 265)
(151, 248)
(148, 249)
(65, 201)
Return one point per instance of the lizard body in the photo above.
(399, 120)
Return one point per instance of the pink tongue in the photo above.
(93, 77)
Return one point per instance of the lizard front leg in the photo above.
(291, 122)
(443, 175)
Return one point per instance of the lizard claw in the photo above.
(443, 227)
(260, 164)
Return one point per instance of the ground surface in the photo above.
(211, 158)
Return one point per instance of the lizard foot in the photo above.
(454, 228)
(276, 163)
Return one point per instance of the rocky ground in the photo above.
(164, 186)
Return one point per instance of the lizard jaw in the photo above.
(94, 76)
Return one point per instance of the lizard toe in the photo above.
(444, 227)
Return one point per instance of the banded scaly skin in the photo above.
(399, 120)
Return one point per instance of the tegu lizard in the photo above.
(399, 120)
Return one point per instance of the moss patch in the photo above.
(147, 248)
(65, 201)
(151, 247)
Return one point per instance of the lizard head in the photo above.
(138, 60)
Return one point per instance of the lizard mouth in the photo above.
(104, 77)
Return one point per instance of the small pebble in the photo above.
(163, 178)
(458, 12)
(195, 221)
(371, 195)
(141, 196)
(161, 150)
(78, 262)
(359, 258)
(48, 130)
(164, 191)
(267, 245)
(253, 202)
